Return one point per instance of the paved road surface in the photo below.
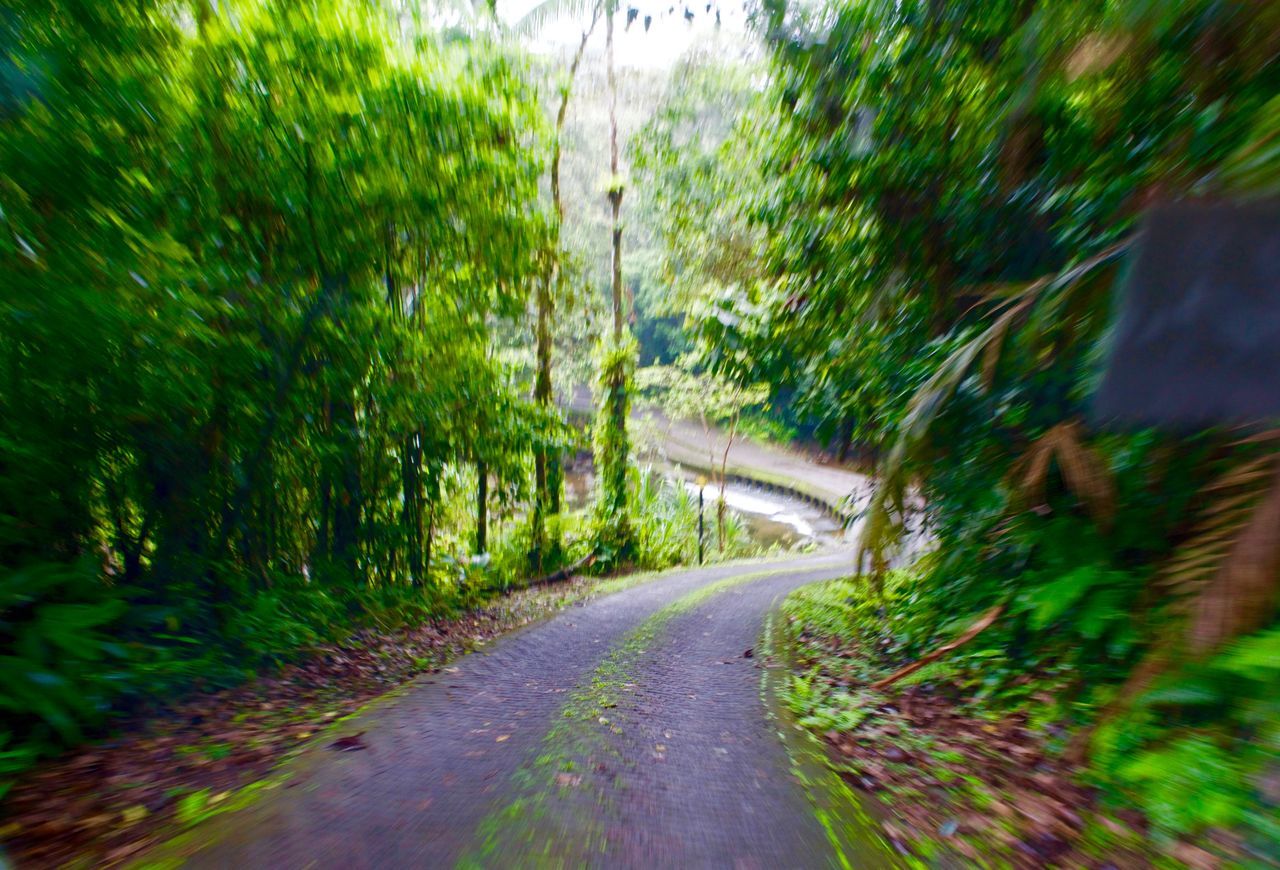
(630, 731)
(687, 443)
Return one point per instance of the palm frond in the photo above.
(537, 18)
(467, 10)
(991, 353)
(1229, 502)
(883, 526)
(1083, 470)
(884, 518)
(1241, 594)
(932, 397)
(1227, 572)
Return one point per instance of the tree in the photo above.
(716, 402)
(548, 478)
(949, 193)
(617, 356)
(250, 275)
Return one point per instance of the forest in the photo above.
(301, 301)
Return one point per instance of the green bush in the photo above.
(61, 668)
(245, 359)
(1196, 748)
(666, 524)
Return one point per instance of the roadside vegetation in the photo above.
(930, 205)
(284, 296)
(252, 268)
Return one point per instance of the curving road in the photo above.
(635, 730)
(837, 488)
(832, 486)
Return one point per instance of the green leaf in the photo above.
(1049, 601)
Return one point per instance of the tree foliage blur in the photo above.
(942, 197)
(251, 260)
(258, 257)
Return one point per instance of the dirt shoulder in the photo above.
(952, 777)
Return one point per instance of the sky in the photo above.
(669, 37)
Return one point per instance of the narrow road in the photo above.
(634, 730)
(685, 442)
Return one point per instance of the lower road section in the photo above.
(635, 730)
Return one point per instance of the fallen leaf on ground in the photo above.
(350, 743)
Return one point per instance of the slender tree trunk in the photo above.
(411, 509)
(346, 514)
(129, 546)
(845, 438)
(615, 183)
(321, 550)
(320, 553)
(217, 470)
(433, 498)
(482, 506)
(618, 394)
(431, 536)
(542, 395)
(555, 484)
(560, 119)
(548, 478)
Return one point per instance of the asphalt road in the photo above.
(634, 730)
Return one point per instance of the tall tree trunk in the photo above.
(320, 553)
(218, 471)
(613, 471)
(548, 478)
(844, 439)
(482, 506)
(615, 183)
(541, 457)
(724, 472)
(411, 508)
(346, 513)
(433, 497)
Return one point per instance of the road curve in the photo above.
(629, 731)
(836, 488)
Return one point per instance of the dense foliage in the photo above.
(251, 260)
(945, 194)
(269, 366)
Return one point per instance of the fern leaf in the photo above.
(1083, 470)
(546, 12)
(1228, 570)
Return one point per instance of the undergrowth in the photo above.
(1195, 754)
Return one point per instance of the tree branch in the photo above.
(983, 623)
